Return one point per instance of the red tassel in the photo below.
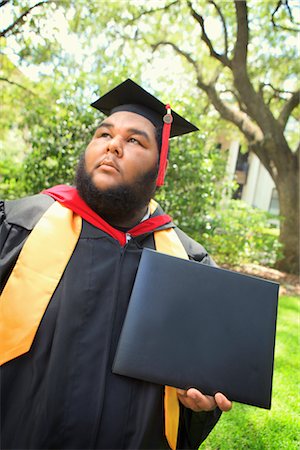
(168, 119)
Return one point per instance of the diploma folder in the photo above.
(193, 325)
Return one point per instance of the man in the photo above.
(68, 263)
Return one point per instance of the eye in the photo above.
(102, 134)
(132, 140)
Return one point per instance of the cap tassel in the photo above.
(168, 119)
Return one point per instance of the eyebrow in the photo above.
(105, 124)
(129, 130)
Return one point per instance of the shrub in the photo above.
(238, 233)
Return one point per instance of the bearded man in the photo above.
(69, 257)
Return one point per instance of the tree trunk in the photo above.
(282, 165)
(287, 185)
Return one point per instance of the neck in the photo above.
(129, 222)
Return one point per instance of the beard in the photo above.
(117, 204)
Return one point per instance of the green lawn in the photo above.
(247, 427)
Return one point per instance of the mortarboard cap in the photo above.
(129, 96)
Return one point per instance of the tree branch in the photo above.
(276, 90)
(186, 55)
(150, 11)
(254, 102)
(242, 36)
(297, 154)
(288, 108)
(21, 18)
(279, 4)
(277, 93)
(224, 25)
(252, 132)
(220, 57)
(3, 3)
(17, 84)
(237, 98)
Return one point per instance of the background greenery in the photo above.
(58, 56)
(247, 427)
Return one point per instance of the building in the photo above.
(255, 185)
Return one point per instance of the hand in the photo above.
(195, 400)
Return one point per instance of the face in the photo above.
(123, 148)
(116, 176)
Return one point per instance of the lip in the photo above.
(107, 163)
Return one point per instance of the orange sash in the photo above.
(36, 275)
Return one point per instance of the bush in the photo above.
(11, 179)
(56, 146)
(238, 234)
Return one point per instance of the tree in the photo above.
(263, 131)
(248, 72)
(250, 91)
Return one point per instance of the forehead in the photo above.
(125, 119)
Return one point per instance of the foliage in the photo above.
(11, 180)
(50, 128)
(56, 146)
(195, 181)
(75, 47)
(250, 428)
(243, 57)
(238, 233)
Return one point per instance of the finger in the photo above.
(223, 403)
(201, 402)
(181, 392)
(186, 401)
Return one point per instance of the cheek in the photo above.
(91, 154)
(141, 162)
(88, 160)
(146, 158)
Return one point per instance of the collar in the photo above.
(68, 196)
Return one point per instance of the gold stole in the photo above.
(36, 275)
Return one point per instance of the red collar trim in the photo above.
(69, 197)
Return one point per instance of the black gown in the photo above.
(62, 394)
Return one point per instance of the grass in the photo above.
(247, 427)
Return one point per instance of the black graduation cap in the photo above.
(129, 96)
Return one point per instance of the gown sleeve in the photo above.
(194, 427)
(17, 219)
(12, 238)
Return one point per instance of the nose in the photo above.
(115, 146)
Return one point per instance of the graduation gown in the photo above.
(62, 393)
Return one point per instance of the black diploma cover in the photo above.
(193, 325)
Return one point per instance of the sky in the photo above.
(155, 72)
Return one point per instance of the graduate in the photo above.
(68, 260)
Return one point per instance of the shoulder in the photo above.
(27, 211)
(194, 250)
